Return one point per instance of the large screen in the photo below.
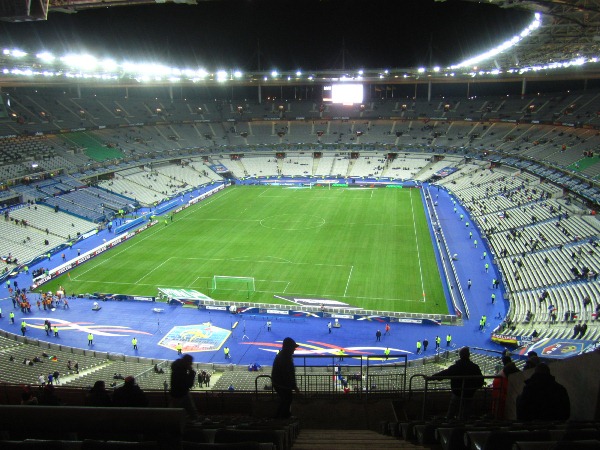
(344, 93)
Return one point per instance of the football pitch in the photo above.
(369, 248)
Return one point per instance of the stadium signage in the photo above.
(278, 311)
(342, 316)
(403, 320)
(505, 339)
(216, 308)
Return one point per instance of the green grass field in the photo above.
(366, 247)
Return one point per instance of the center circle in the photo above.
(292, 222)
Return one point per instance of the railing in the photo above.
(483, 398)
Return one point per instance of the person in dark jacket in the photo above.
(98, 395)
(466, 379)
(283, 376)
(130, 395)
(543, 398)
(182, 379)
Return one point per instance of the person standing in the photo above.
(283, 376)
(419, 347)
(448, 340)
(134, 343)
(466, 378)
(11, 316)
(23, 327)
(469, 283)
(183, 377)
(179, 348)
(90, 339)
(387, 329)
(438, 340)
(55, 331)
(543, 398)
(493, 298)
(378, 336)
(226, 353)
(425, 344)
(268, 325)
(387, 353)
(329, 327)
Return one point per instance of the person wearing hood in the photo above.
(283, 377)
(543, 398)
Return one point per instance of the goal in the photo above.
(239, 284)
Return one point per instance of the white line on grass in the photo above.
(156, 268)
(348, 282)
(417, 241)
(146, 235)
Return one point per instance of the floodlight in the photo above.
(18, 53)
(237, 74)
(45, 56)
(421, 70)
(298, 73)
(274, 74)
(222, 75)
(436, 69)
(109, 64)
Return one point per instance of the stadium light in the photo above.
(274, 74)
(222, 75)
(298, 73)
(237, 74)
(534, 25)
(46, 57)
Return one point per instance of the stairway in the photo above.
(349, 439)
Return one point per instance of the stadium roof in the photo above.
(561, 42)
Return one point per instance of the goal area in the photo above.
(246, 285)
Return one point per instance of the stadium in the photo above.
(384, 218)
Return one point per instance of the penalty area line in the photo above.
(348, 282)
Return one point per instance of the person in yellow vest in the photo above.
(448, 340)
(438, 340)
(179, 348)
(23, 327)
(226, 353)
(12, 317)
(418, 347)
(90, 339)
(55, 329)
(134, 343)
(387, 353)
(341, 354)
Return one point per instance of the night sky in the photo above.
(299, 34)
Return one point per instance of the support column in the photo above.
(171, 93)
(523, 87)
(468, 89)
(78, 91)
(429, 91)
(259, 95)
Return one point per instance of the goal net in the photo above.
(239, 284)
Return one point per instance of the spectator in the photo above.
(284, 377)
(532, 360)
(27, 397)
(543, 398)
(98, 395)
(49, 397)
(500, 386)
(130, 395)
(182, 379)
(466, 379)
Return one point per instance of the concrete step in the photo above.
(350, 439)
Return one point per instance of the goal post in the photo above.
(239, 284)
